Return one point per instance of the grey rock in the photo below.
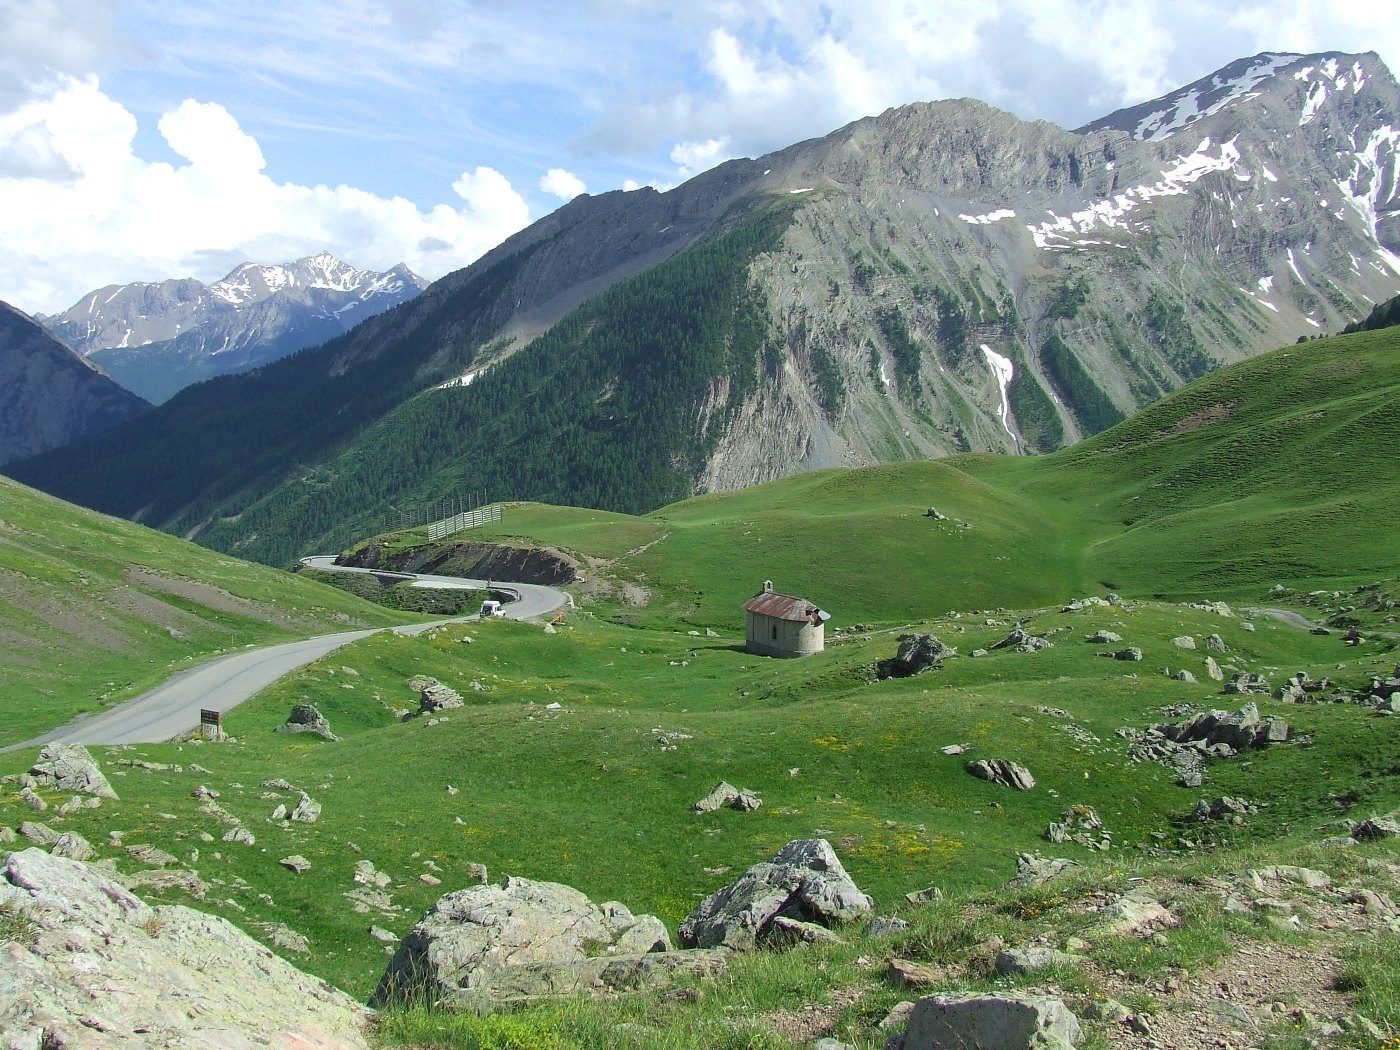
(239, 835)
(827, 1043)
(784, 931)
(433, 695)
(1002, 771)
(283, 936)
(367, 875)
(38, 833)
(1376, 828)
(305, 718)
(1216, 644)
(726, 794)
(1035, 870)
(1185, 676)
(991, 1022)
(31, 799)
(915, 653)
(1029, 960)
(296, 863)
(1213, 670)
(73, 846)
(69, 767)
(1185, 641)
(1079, 824)
(804, 880)
(170, 976)
(145, 853)
(307, 810)
(383, 936)
(525, 940)
(885, 926)
(1249, 684)
(1137, 913)
(1131, 653)
(1022, 641)
(1105, 638)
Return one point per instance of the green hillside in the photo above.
(94, 610)
(1282, 469)
(579, 751)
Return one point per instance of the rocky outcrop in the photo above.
(471, 560)
(305, 718)
(69, 767)
(916, 652)
(804, 881)
(726, 794)
(433, 695)
(49, 396)
(526, 940)
(1002, 771)
(1022, 641)
(1227, 731)
(93, 968)
(990, 1022)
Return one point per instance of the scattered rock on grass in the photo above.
(990, 1022)
(1035, 870)
(916, 652)
(525, 940)
(726, 794)
(305, 718)
(803, 880)
(1002, 771)
(296, 863)
(69, 767)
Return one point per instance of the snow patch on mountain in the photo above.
(1184, 108)
(1003, 369)
(1112, 212)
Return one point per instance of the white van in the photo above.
(492, 608)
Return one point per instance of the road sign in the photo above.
(210, 725)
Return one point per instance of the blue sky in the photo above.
(144, 139)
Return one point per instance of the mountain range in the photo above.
(157, 338)
(938, 278)
(50, 396)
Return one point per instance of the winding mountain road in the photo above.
(173, 707)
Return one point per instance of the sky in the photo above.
(142, 140)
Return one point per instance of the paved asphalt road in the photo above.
(173, 708)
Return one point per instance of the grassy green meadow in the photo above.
(578, 753)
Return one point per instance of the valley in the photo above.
(575, 753)
(1068, 459)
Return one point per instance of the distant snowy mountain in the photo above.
(156, 339)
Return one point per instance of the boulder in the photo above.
(1079, 824)
(1216, 644)
(726, 794)
(990, 1022)
(73, 846)
(1022, 641)
(525, 940)
(1105, 638)
(1002, 771)
(804, 880)
(433, 695)
(296, 864)
(69, 767)
(1015, 961)
(916, 652)
(1035, 870)
(1236, 730)
(305, 718)
(38, 832)
(1132, 652)
(307, 810)
(103, 969)
(1213, 670)
(1248, 684)
(1376, 828)
(1185, 676)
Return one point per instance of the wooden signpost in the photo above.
(210, 725)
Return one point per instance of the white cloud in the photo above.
(82, 209)
(563, 184)
(691, 158)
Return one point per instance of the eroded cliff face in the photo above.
(941, 248)
(471, 559)
(49, 396)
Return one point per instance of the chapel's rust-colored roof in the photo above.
(783, 607)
